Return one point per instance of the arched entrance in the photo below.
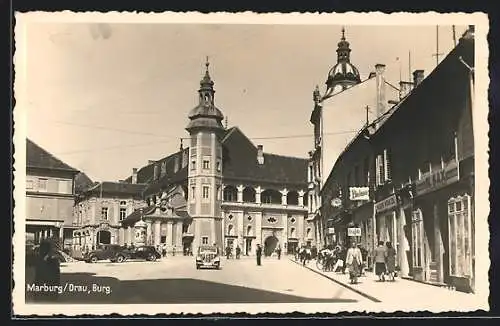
(270, 245)
(103, 237)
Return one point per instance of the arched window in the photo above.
(249, 230)
(230, 229)
(292, 198)
(308, 233)
(230, 193)
(271, 196)
(249, 195)
(293, 233)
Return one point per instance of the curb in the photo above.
(367, 296)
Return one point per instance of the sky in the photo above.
(106, 98)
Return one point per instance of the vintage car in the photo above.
(208, 257)
(149, 253)
(104, 252)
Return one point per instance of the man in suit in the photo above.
(259, 254)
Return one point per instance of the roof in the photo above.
(82, 182)
(107, 187)
(37, 157)
(240, 162)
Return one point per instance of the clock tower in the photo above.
(205, 167)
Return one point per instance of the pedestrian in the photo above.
(278, 251)
(173, 250)
(390, 260)
(238, 252)
(164, 250)
(259, 254)
(379, 258)
(354, 260)
(228, 252)
(47, 272)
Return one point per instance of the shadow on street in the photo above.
(178, 290)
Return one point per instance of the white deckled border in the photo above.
(480, 20)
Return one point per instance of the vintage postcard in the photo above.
(222, 163)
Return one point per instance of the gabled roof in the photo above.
(37, 157)
(240, 162)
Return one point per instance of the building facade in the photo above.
(99, 210)
(49, 196)
(421, 185)
(221, 190)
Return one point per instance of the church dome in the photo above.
(343, 73)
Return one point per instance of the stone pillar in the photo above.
(284, 194)
(178, 237)
(258, 230)
(301, 198)
(284, 235)
(61, 234)
(157, 233)
(438, 242)
(240, 193)
(149, 233)
(300, 229)
(240, 228)
(169, 234)
(258, 190)
(130, 237)
(121, 236)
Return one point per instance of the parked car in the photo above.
(149, 253)
(115, 253)
(208, 257)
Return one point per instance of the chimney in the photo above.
(380, 81)
(260, 154)
(155, 172)
(418, 76)
(372, 74)
(134, 175)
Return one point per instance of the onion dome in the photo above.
(343, 73)
(205, 115)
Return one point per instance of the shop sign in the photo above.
(359, 193)
(331, 230)
(386, 204)
(437, 179)
(354, 232)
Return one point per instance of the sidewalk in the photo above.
(401, 291)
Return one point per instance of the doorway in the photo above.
(248, 246)
(270, 245)
(103, 237)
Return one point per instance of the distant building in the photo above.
(417, 160)
(49, 196)
(99, 210)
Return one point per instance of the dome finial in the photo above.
(207, 63)
(343, 33)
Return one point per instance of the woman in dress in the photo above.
(353, 262)
(390, 260)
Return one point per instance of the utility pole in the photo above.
(367, 117)
(437, 54)
(454, 35)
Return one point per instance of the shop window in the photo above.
(417, 243)
(460, 244)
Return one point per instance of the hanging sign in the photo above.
(359, 193)
(386, 204)
(354, 232)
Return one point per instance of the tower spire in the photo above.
(343, 33)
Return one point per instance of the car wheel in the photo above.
(93, 259)
(151, 257)
(120, 259)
